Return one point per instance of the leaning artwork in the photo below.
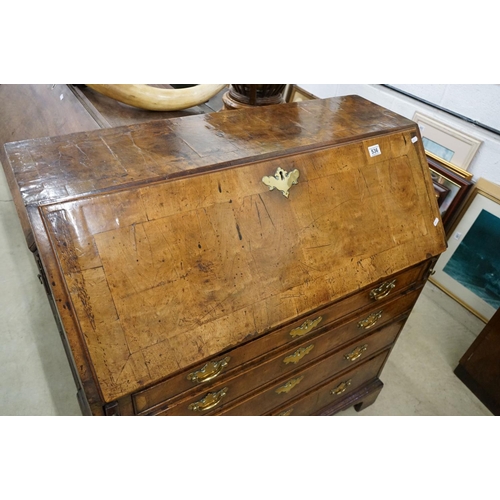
(476, 262)
(469, 270)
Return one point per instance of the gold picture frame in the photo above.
(450, 166)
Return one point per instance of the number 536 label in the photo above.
(374, 150)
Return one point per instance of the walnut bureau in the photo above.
(249, 262)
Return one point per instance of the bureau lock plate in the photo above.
(282, 180)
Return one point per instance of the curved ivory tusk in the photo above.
(156, 99)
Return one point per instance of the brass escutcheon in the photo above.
(356, 354)
(211, 400)
(341, 388)
(289, 385)
(282, 180)
(383, 290)
(306, 327)
(298, 354)
(370, 321)
(285, 413)
(211, 370)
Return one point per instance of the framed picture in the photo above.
(451, 190)
(469, 270)
(456, 170)
(294, 93)
(442, 192)
(446, 142)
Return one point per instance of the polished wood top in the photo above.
(63, 167)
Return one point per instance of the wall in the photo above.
(480, 103)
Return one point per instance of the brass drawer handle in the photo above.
(306, 327)
(356, 354)
(370, 321)
(211, 370)
(282, 180)
(289, 385)
(285, 413)
(298, 354)
(211, 400)
(341, 388)
(383, 290)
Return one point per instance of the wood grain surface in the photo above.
(163, 275)
(163, 247)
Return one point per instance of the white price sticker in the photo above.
(414, 139)
(374, 150)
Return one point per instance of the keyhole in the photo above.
(282, 176)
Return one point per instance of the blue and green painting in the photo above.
(476, 262)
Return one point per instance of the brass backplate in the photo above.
(282, 180)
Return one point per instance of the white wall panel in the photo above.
(477, 102)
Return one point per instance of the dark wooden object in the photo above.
(479, 368)
(244, 95)
(185, 286)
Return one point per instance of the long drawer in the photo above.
(335, 389)
(300, 382)
(311, 348)
(394, 302)
(219, 399)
